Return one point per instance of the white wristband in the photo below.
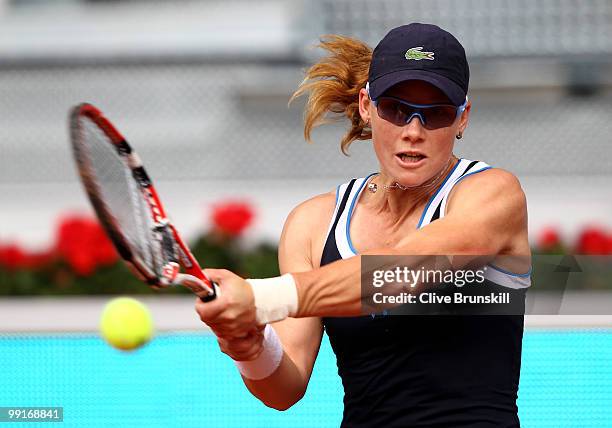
(267, 362)
(275, 298)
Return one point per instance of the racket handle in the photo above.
(197, 285)
(212, 296)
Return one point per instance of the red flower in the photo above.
(81, 241)
(105, 250)
(232, 218)
(39, 259)
(594, 241)
(549, 239)
(12, 256)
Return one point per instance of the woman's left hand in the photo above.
(232, 314)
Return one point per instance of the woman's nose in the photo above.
(413, 130)
(417, 115)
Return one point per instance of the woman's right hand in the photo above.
(244, 348)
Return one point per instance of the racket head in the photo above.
(127, 204)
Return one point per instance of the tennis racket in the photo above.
(128, 206)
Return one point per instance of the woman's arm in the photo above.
(300, 338)
(488, 211)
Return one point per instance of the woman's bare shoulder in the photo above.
(313, 212)
(497, 177)
(495, 180)
(304, 233)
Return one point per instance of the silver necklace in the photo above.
(373, 187)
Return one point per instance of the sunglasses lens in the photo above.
(439, 117)
(399, 113)
(393, 111)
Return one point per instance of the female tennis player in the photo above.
(409, 96)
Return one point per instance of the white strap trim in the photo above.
(340, 233)
(339, 194)
(450, 182)
(506, 279)
(480, 166)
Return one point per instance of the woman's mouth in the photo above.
(409, 160)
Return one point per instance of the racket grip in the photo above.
(212, 296)
(197, 285)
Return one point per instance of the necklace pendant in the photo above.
(372, 187)
(395, 185)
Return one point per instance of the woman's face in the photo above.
(392, 142)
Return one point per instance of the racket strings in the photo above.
(121, 195)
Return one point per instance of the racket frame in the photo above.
(175, 248)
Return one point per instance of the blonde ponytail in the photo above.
(333, 85)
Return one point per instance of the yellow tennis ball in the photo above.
(126, 323)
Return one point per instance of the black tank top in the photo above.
(445, 371)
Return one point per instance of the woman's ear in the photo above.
(364, 105)
(465, 118)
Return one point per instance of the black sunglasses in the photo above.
(432, 116)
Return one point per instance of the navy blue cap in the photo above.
(420, 52)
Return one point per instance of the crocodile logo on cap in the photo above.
(417, 54)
